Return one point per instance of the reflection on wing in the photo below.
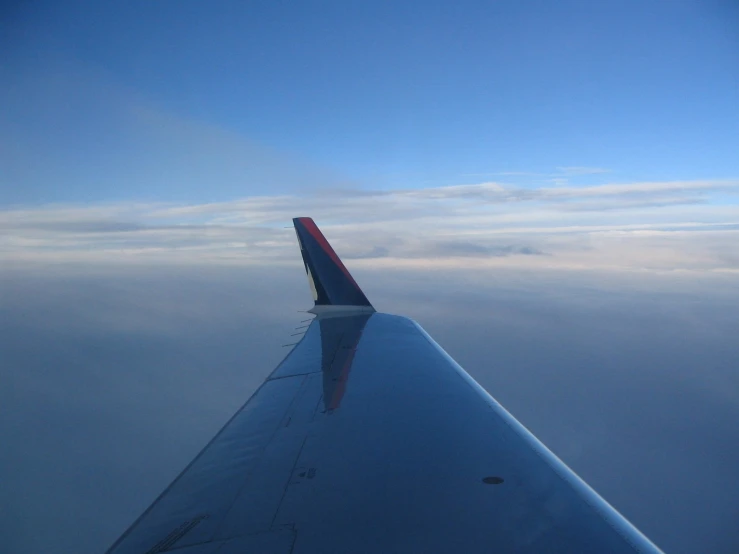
(339, 340)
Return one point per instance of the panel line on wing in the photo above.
(260, 456)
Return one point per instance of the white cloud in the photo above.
(654, 226)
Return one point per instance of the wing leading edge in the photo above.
(368, 437)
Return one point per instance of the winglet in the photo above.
(330, 282)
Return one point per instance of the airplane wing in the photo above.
(368, 437)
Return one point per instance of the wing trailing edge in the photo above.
(331, 283)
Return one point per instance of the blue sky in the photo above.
(122, 100)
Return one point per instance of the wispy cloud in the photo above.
(73, 131)
(582, 170)
(658, 226)
(561, 172)
(479, 250)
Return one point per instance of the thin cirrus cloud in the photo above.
(659, 226)
(561, 171)
(581, 170)
(73, 132)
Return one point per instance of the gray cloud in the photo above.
(632, 202)
(100, 226)
(461, 248)
(376, 252)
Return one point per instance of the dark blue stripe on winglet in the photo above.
(331, 282)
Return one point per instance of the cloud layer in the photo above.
(115, 377)
(652, 226)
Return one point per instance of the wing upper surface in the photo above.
(368, 437)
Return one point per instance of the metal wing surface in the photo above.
(368, 437)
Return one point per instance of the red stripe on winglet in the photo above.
(315, 232)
